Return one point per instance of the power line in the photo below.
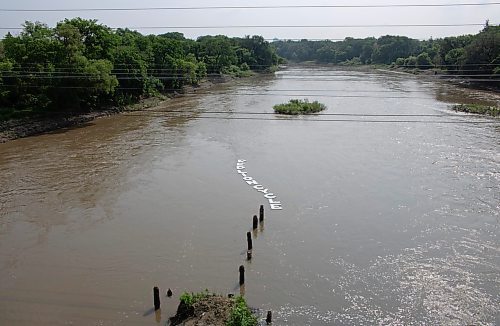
(201, 91)
(326, 120)
(307, 26)
(164, 112)
(254, 7)
(236, 94)
(286, 26)
(150, 65)
(310, 118)
(303, 79)
(315, 114)
(61, 74)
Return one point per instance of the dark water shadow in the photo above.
(148, 312)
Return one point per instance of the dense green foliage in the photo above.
(241, 314)
(465, 55)
(478, 109)
(294, 107)
(80, 64)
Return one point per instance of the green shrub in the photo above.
(235, 71)
(295, 107)
(241, 314)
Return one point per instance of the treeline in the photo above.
(80, 64)
(469, 54)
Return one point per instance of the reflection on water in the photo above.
(383, 223)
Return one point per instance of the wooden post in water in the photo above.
(156, 297)
(255, 222)
(269, 317)
(249, 241)
(249, 254)
(242, 275)
(261, 214)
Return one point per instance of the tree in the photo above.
(217, 52)
(98, 40)
(483, 51)
(424, 61)
(455, 59)
(81, 64)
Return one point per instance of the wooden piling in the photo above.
(255, 222)
(242, 275)
(261, 214)
(249, 241)
(269, 317)
(156, 297)
(249, 254)
(169, 293)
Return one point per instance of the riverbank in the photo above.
(31, 126)
(467, 82)
(433, 73)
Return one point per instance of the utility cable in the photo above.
(470, 4)
(283, 26)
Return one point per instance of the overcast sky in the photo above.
(282, 16)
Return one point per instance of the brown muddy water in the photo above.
(390, 220)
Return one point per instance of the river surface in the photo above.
(390, 209)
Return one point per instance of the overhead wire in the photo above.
(315, 114)
(125, 75)
(355, 117)
(173, 27)
(68, 65)
(409, 5)
(328, 120)
(239, 93)
(200, 91)
(96, 78)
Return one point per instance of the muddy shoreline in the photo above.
(30, 126)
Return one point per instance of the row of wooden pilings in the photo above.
(255, 225)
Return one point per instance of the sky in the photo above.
(230, 18)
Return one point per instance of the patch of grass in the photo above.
(189, 299)
(477, 109)
(294, 107)
(241, 314)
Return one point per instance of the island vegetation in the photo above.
(81, 65)
(472, 56)
(477, 109)
(296, 106)
(212, 309)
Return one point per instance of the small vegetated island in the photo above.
(295, 107)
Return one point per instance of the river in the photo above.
(390, 206)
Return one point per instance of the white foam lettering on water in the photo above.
(273, 203)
